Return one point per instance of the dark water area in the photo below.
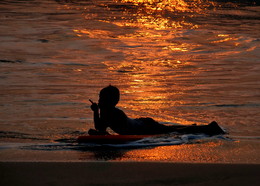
(177, 61)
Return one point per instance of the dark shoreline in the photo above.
(127, 173)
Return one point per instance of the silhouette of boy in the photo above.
(107, 115)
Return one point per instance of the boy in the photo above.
(107, 115)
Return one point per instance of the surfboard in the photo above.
(111, 139)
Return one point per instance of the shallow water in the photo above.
(178, 61)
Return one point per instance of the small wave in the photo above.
(65, 64)
(238, 105)
(61, 103)
(10, 61)
(169, 141)
(17, 135)
(164, 140)
(245, 137)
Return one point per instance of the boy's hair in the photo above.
(112, 93)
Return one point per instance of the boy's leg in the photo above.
(211, 129)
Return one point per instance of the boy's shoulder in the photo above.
(119, 111)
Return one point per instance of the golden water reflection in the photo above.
(158, 14)
(205, 152)
(215, 151)
(154, 46)
(209, 152)
(173, 5)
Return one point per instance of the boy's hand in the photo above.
(94, 106)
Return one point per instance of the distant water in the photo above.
(177, 61)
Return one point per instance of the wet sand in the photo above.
(127, 173)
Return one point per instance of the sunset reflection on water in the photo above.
(155, 50)
(161, 58)
(177, 61)
(214, 151)
(180, 153)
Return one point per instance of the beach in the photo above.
(127, 173)
(180, 62)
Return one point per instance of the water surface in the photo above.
(178, 61)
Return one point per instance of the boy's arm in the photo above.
(99, 125)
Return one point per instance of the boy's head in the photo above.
(109, 96)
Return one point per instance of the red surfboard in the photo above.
(111, 139)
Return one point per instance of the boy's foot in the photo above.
(215, 129)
